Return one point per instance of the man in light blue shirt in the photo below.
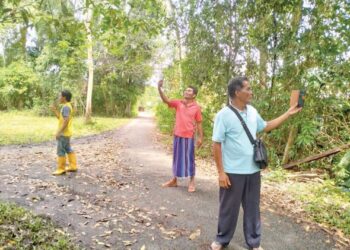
(229, 131)
(239, 175)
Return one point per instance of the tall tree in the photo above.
(175, 20)
(90, 60)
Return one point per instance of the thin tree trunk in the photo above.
(178, 39)
(274, 60)
(234, 43)
(128, 109)
(4, 58)
(292, 134)
(87, 22)
(263, 65)
(274, 63)
(23, 31)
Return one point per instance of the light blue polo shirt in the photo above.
(237, 150)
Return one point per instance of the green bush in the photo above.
(117, 96)
(165, 118)
(342, 171)
(19, 86)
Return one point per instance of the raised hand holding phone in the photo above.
(160, 83)
(297, 98)
(301, 98)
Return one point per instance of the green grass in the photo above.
(325, 203)
(20, 229)
(277, 175)
(26, 127)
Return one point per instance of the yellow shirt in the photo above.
(68, 131)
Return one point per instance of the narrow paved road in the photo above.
(115, 200)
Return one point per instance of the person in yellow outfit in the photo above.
(63, 135)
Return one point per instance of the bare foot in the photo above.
(171, 183)
(191, 188)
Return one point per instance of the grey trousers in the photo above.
(63, 146)
(244, 189)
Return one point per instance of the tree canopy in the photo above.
(50, 38)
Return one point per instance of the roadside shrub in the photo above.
(19, 86)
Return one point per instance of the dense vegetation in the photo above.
(45, 48)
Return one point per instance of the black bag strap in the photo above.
(243, 124)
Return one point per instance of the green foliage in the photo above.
(342, 171)
(277, 175)
(165, 118)
(325, 203)
(15, 10)
(19, 86)
(127, 41)
(307, 134)
(20, 229)
(207, 125)
(117, 95)
(149, 99)
(123, 42)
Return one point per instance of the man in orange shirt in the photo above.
(188, 121)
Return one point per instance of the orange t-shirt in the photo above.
(186, 118)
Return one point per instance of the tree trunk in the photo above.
(4, 59)
(23, 31)
(234, 39)
(178, 39)
(87, 22)
(263, 65)
(128, 109)
(20, 104)
(292, 134)
(318, 157)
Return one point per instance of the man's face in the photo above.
(245, 95)
(61, 98)
(188, 94)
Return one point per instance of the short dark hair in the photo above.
(235, 84)
(195, 90)
(66, 94)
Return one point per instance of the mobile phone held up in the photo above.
(301, 98)
(297, 97)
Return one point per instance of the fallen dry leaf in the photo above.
(102, 243)
(128, 242)
(106, 233)
(195, 234)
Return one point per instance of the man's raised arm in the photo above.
(162, 95)
(279, 120)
